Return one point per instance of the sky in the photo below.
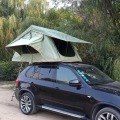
(51, 3)
(26, 1)
(62, 4)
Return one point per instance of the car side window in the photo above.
(33, 72)
(41, 73)
(47, 74)
(64, 75)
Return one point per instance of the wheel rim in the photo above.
(25, 104)
(107, 116)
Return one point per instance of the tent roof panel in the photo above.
(50, 33)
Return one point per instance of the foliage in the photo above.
(97, 21)
(9, 71)
(100, 29)
(110, 8)
(8, 25)
(116, 69)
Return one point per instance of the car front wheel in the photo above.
(108, 114)
(27, 104)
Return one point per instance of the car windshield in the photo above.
(93, 76)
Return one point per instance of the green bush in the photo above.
(116, 71)
(9, 71)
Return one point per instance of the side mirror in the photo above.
(74, 83)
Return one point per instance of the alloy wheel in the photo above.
(107, 116)
(26, 104)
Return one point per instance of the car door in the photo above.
(42, 79)
(65, 95)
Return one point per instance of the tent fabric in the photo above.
(51, 33)
(41, 40)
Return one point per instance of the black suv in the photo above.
(73, 89)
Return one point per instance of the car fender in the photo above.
(26, 90)
(100, 106)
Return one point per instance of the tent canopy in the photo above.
(38, 44)
(51, 33)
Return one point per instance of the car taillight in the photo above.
(17, 82)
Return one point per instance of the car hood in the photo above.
(113, 87)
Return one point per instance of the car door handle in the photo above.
(57, 88)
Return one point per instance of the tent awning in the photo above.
(43, 31)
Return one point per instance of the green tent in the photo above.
(38, 44)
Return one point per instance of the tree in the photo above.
(100, 26)
(110, 9)
(93, 21)
(9, 21)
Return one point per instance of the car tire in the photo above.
(107, 114)
(27, 104)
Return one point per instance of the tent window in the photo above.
(64, 48)
(28, 49)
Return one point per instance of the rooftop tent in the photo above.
(38, 44)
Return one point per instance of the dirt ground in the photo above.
(9, 110)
